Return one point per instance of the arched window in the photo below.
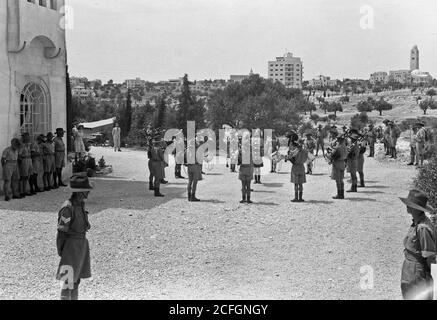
(35, 111)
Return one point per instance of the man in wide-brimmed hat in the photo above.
(59, 157)
(320, 137)
(420, 142)
(10, 171)
(310, 146)
(352, 158)
(413, 146)
(156, 166)
(72, 244)
(420, 249)
(49, 162)
(338, 157)
(25, 165)
(371, 139)
(395, 133)
(36, 153)
(386, 137)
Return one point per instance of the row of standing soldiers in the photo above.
(23, 161)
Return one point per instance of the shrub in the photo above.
(426, 181)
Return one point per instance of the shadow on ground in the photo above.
(108, 193)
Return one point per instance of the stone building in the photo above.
(288, 70)
(32, 68)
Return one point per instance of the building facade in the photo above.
(135, 83)
(379, 77)
(322, 81)
(32, 68)
(288, 70)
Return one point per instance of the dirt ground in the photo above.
(147, 248)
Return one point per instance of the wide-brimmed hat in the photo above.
(41, 137)
(80, 183)
(333, 127)
(417, 200)
(60, 130)
(419, 124)
(50, 134)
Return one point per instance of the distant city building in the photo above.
(135, 83)
(421, 77)
(412, 76)
(82, 92)
(94, 83)
(414, 59)
(379, 77)
(400, 76)
(288, 70)
(78, 81)
(323, 81)
(240, 78)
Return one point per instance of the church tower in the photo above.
(414, 59)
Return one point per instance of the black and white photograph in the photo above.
(218, 150)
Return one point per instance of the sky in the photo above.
(212, 39)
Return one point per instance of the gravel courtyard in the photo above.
(147, 248)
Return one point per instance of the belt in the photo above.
(414, 257)
(80, 236)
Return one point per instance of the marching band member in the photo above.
(352, 159)
(337, 158)
(320, 140)
(310, 145)
(298, 157)
(246, 169)
(362, 147)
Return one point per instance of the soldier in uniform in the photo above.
(371, 139)
(420, 249)
(246, 169)
(156, 165)
(333, 133)
(339, 155)
(352, 159)
(71, 241)
(420, 142)
(414, 159)
(178, 153)
(25, 165)
(275, 150)
(36, 154)
(386, 137)
(11, 175)
(194, 171)
(360, 168)
(394, 136)
(298, 157)
(320, 140)
(59, 157)
(49, 162)
(257, 143)
(310, 145)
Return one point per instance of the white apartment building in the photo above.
(288, 70)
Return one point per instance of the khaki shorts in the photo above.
(26, 167)
(60, 159)
(10, 171)
(49, 163)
